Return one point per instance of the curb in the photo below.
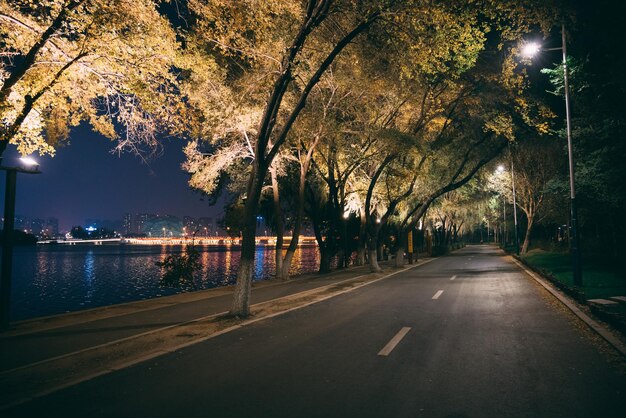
(591, 323)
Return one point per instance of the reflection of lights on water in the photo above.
(259, 259)
(58, 280)
(227, 262)
(89, 274)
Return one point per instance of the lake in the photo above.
(53, 279)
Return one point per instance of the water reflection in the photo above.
(259, 260)
(54, 279)
(89, 275)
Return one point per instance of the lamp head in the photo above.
(530, 49)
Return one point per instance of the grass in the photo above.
(599, 279)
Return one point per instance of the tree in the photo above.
(312, 38)
(597, 88)
(537, 164)
(114, 64)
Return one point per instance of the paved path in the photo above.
(467, 335)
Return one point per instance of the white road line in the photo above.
(453, 277)
(394, 342)
(439, 292)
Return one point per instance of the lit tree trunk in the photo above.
(280, 228)
(295, 237)
(529, 229)
(241, 297)
(360, 258)
(372, 254)
(401, 242)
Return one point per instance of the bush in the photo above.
(179, 270)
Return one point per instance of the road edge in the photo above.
(591, 323)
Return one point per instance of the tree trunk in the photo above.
(295, 236)
(241, 297)
(360, 259)
(529, 228)
(401, 246)
(399, 262)
(360, 256)
(280, 228)
(373, 260)
(325, 257)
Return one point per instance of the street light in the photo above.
(530, 50)
(29, 166)
(502, 169)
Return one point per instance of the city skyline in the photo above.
(72, 187)
(47, 227)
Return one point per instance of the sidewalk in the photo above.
(44, 355)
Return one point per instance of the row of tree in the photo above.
(539, 164)
(338, 110)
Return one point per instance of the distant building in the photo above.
(128, 224)
(141, 221)
(37, 226)
(163, 226)
(52, 227)
(42, 228)
(205, 226)
(261, 226)
(21, 223)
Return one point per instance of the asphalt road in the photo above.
(463, 336)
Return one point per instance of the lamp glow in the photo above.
(531, 49)
(28, 161)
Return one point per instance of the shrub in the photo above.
(179, 270)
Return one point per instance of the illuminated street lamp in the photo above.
(28, 166)
(529, 50)
(502, 169)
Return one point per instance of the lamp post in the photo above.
(503, 222)
(29, 166)
(501, 169)
(530, 50)
(514, 208)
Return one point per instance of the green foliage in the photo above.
(576, 77)
(599, 281)
(232, 221)
(179, 270)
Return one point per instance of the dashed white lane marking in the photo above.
(439, 292)
(394, 342)
(453, 277)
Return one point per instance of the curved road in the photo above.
(468, 335)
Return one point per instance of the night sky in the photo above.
(84, 180)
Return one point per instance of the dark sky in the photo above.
(84, 180)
